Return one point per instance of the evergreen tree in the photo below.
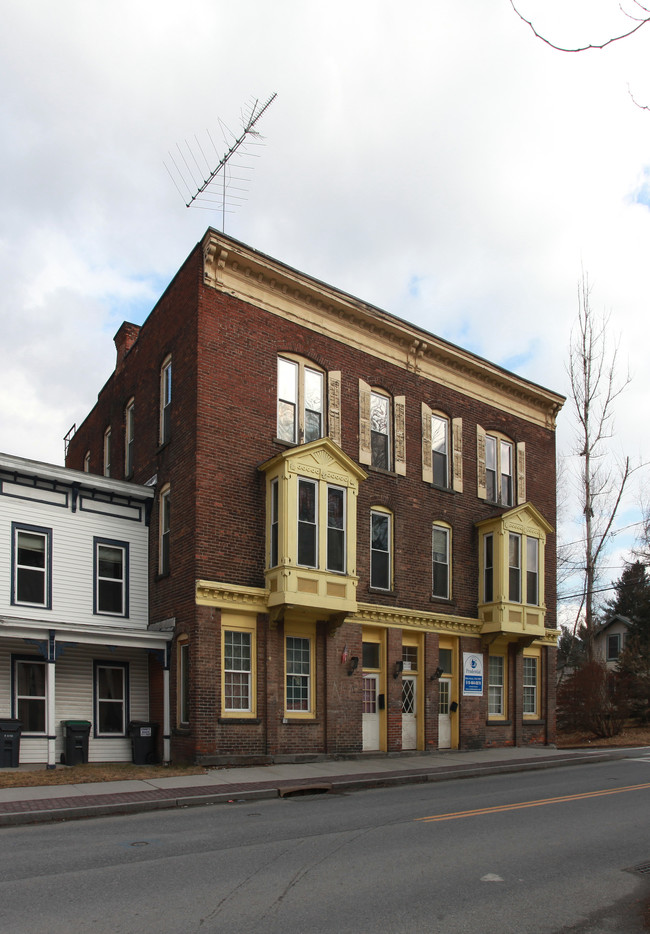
(632, 600)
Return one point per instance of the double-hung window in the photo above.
(111, 577)
(440, 450)
(380, 440)
(488, 568)
(307, 523)
(532, 571)
(129, 435)
(530, 685)
(183, 681)
(301, 394)
(514, 568)
(613, 647)
(164, 528)
(107, 452)
(336, 529)
(30, 692)
(111, 698)
(32, 566)
(298, 674)
(496, 684)
(441, 561)
(165, 400)
(499, 466)
(237, 663)
(275, 524)
(380, 550)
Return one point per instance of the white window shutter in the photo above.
(481, 479)
(457, 442)
(365, 453)
(427, 456)
(521, 473)
(399, 403)
(334, 406)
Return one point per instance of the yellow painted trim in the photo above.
(235, 269)
(450, 642)
(534, 652)
(302, 630)
(239, 622)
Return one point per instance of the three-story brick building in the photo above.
(353, 527)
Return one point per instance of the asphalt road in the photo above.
(529, 853)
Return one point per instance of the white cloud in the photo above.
(440, 144)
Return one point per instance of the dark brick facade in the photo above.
(223, 427)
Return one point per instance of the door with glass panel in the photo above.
(444, 713)
(370, 715)
(409, 712)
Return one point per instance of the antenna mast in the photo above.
(204, 188)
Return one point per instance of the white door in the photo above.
(444, 715)
(370, 712)
(409, 712)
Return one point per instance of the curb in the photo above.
(342, 785)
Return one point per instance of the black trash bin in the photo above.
(10, 743)
(75, 734)
(143, 742)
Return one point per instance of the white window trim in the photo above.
(441, 527)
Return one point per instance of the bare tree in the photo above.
(639, 18)
(594, 390)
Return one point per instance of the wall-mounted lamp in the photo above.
(437, 674)
(399, 668)
(354, 664)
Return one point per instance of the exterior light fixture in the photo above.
(399, 668)
(437, 674)
(354, 664)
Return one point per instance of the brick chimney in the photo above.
(124, 341)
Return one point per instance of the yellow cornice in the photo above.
(232, 596)
(255, 600)
(236, 269)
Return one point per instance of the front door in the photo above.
(370, 712)
(444, 714)
(409, 709)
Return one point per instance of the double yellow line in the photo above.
(456, 815)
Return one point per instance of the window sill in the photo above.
(293, 720)
(442, 489)
(183, 730)
(495, 721)
(533, 720)
(381, 470)
(249, 718)
(380, 592)
(160, 577)
(442, 601)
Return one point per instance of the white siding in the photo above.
(72, 554)
(74, 697)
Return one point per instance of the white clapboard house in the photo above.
(74, 637)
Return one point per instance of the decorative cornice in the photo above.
(398, 617)
(238, 270)
(231, 596)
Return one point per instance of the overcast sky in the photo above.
(431, 157)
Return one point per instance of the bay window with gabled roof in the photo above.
(311, 529)
(511, 557)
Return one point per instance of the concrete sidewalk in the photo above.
(39, 804)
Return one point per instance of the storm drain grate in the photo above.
(293, 791)
(642, 869)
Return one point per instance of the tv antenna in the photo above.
(212, 189)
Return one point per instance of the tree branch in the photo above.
(640, 23)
